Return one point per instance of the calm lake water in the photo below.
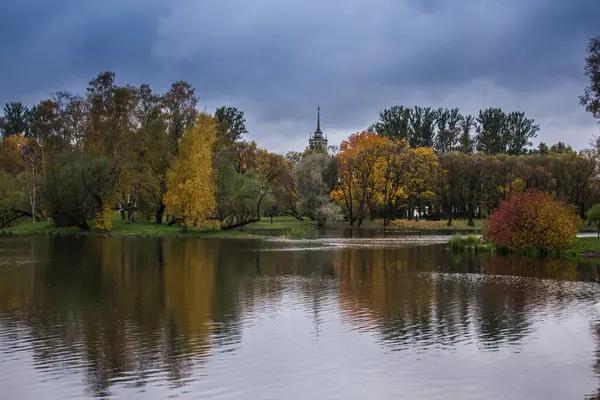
(383, 318)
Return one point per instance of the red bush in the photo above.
(532, 220)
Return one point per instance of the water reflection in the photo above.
(141, 314)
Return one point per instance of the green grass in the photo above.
(584, 248)
(290, 226)
(305, 232)
(460, 243)
(279, 223)
(141, 228)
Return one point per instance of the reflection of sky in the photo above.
(294, 348)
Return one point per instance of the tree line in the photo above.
(492, 131)
(77, 160)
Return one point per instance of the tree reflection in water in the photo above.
(131, 311)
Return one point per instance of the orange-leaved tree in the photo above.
(532, 220)
(190, 187)
(358, 181)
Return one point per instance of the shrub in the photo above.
(328, 212)
(532, 220)
(468, 243)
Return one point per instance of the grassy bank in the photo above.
(584, 248)
(284, 226)
(581, 248)
(141, 229)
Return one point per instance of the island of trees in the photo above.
(77, 160)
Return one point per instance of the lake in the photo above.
(332, 318)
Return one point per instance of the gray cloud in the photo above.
(278, 60)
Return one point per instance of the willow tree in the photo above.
(190, 193)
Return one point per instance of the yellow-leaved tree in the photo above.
(190, 195)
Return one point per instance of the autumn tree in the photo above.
(357, 178)
(532, 220)
(190, 188)
(391, 170)
(180, 108)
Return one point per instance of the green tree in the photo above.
(590, 98)
(491, 131)
(112, 129)
(77, 186)
(394, 123)
(143, 156)
(466, 144)
(448, 123)
(519, 131)
(593, 215)
(499, 132)
(231, 126)
(311, 185)
(543, 149)
(561, 148)
(16, 119)
(422, 124)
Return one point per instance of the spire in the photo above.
(318, 131)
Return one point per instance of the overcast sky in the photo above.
(278, 59)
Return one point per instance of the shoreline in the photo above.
(280, 226)
(582, 249)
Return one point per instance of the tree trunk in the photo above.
(239, 224)
(470, 216)
(160, 211)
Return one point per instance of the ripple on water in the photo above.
(321, 244)
(208, 322)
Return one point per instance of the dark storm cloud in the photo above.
(278, 60)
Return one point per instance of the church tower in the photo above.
(317, 140)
